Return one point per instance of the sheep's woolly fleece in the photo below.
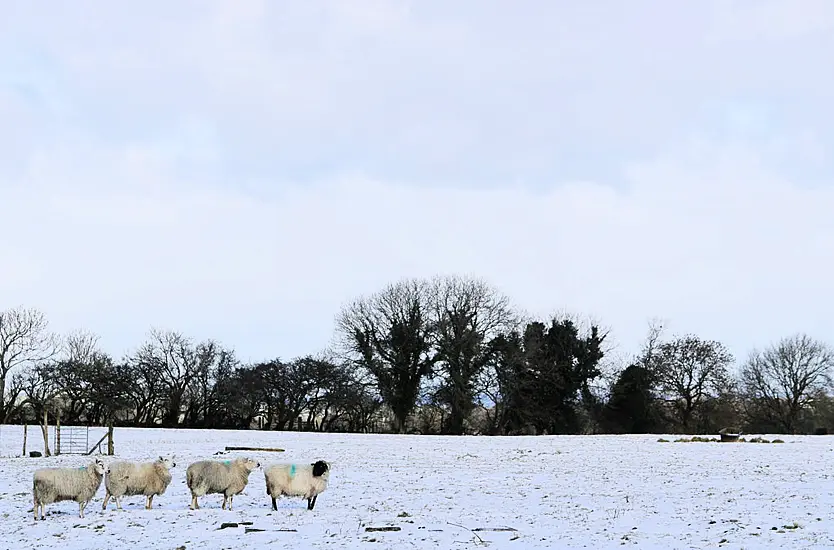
(227, 477)
(126, 478)
(297, 480)
(555, 492)
(57, 484)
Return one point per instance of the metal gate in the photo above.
(75, 440)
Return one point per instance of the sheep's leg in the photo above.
(274, 504)
(150, 502)
(311, 502)
(106, 500)
(118, 502)
(81, 509)
(194, 505)
(225, 500)
(231, 497)
(35, 507)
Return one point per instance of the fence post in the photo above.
(57, 431)
(110, 450)
(25, 433)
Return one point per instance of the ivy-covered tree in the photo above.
(390, 335)
(546, 375)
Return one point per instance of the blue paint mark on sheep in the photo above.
(227, 462)
(292, 471)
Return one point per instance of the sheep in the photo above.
(58, 484)
(129, 479)
(210, 477)
(297, 480)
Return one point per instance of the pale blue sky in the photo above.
(240, 169)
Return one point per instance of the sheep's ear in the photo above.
(161, 459)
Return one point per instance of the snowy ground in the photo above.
(448, 492)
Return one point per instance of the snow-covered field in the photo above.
(453, 492)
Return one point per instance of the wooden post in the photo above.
(58, 431)
(45, 430)
(110, 450)
(25, 433)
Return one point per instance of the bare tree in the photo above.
(145, 386)
(468, 314)
(81, 346)
(389, 334)
(648, 355)
(177, 361)
(784, 379)
(25, 339)
(690, 371)
(203, 398)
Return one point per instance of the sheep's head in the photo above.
(321, 468)
(248, 463)
(98, 466)
(168, 462)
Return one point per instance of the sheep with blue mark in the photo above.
(228, 478)
(58, 484)
(304, 480)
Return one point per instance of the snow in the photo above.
(555, 492)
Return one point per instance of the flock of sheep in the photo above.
(228, 477)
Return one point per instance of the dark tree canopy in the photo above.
(390, 335)
(632, 406)
(468, 314)
(547, 373)
(445, 355)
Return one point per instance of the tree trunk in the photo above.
(45, 430)
(3, 399)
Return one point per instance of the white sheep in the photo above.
(131, 478)
(58, 484)
(303, 480)
(228, 478)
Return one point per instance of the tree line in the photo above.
(447, 355)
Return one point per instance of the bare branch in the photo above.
(81, 346)
(25, 339)
(783, 380)
(690, 371)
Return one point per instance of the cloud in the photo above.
(240, 170)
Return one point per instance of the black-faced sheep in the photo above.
(58, 484)
(228, 478)
(129, 479)
(301, 480)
